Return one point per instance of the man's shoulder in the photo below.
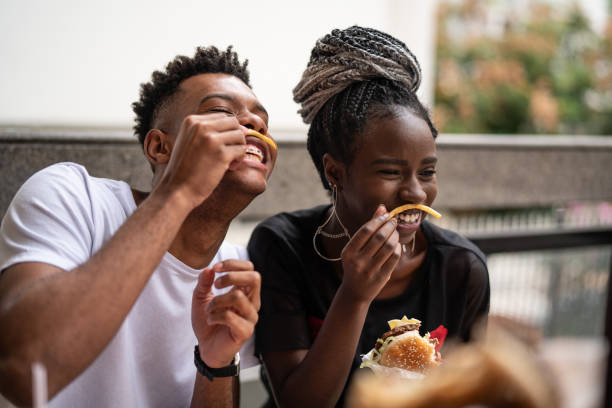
(63, 171)
(68, 175)
(228, 250)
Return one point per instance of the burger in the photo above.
(403, 348)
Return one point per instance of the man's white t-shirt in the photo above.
(62, 216)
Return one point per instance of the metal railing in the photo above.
(557, 239)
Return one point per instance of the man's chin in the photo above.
(248, 183)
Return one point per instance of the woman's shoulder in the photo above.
(447, 239)
(291, 225)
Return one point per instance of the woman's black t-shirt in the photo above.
(450, 288)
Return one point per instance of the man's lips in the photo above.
(258, 148)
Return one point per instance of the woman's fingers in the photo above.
(385, 250)
(390, 262)
(363, 234)
(379, 239)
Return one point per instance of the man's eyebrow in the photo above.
(400, 162)
(227, 97)
(230, 98)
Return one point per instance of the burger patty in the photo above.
(396, 332)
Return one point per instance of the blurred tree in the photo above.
(534, 70)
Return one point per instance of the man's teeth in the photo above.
(255, 153)
(409, 218)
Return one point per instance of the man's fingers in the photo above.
(233, 265)
(240, 327)
(248, 282)
(220, 122)
(205, 282)
(235, 300)
(250, 279)
(232, 137)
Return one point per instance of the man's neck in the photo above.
(204, 229)
(199, 239)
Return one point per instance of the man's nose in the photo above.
(253, 121)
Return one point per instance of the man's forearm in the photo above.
(221, 392)
(65, 319)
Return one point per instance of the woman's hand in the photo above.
(370, 257)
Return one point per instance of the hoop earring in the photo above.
(319, 230)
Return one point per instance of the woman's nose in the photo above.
(412, 192)
(253, 121)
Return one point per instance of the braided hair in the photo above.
(154, 95)
(355, 75)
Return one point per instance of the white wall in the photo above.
(80, 62)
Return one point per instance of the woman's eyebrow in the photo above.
(400, 162)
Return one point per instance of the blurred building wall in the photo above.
(79, 63)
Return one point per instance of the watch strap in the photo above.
(231, 370)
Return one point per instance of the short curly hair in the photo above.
(163, 84)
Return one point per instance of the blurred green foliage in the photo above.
(534, 69)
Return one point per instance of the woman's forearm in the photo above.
(321, 376)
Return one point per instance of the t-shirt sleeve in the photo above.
(282, 324)
(478, 295)
(49, 220)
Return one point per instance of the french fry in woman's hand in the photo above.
(421, 207)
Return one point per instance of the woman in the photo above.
(332, 276)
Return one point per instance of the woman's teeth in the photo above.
(254, 153)
(409, 218)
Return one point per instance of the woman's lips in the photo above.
(409, 220)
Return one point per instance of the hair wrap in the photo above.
(347, 56)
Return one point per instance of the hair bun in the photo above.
(351, 55)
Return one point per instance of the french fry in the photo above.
(421, 207)
(266, 139)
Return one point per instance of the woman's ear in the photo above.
(334, 171)
(157, 147)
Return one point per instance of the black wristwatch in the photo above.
(231, 370)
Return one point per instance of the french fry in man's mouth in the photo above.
(421, 207)
(266, 139)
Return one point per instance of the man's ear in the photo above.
(157, 147)
(334, 171)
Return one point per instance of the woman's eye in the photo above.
(428, 173)
(389, 172)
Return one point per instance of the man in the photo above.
(98, 279)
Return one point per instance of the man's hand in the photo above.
(205, 148)
(224, 322)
